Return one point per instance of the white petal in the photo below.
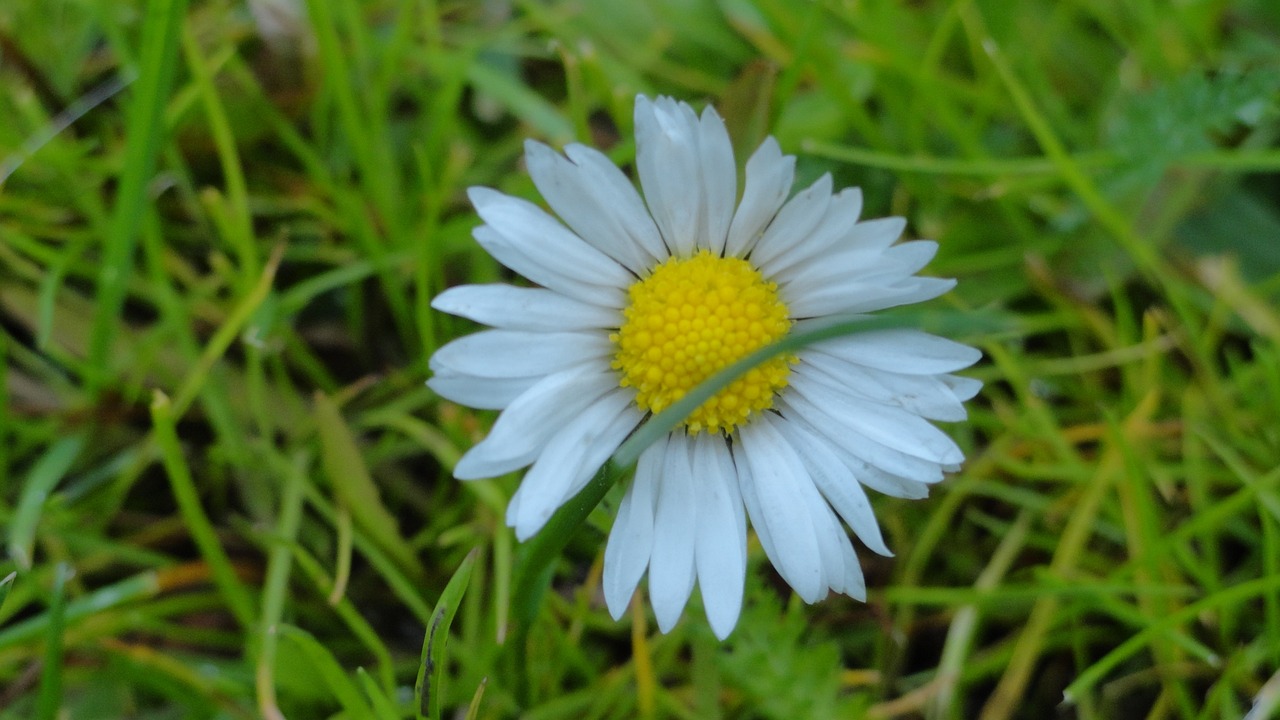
(769, 177)
(868, 267)
(903, 260)
(794, 223)
(528, 225)
(515, 353)
(634, 218)
(833, 543)
(910, 352)
(795, 408)
(885, 483)
(876, 234)
(855, 585)
(521, 236)
(839, 220)
(746, 484)
(523, 429)
(855, 248)
(719, 180)
(523, 308)
(482, 393)
(721, 552)
(671, 567)
(626, 555)
(837, 485)
(892, 427)
(569, 460)
(548, 270)
(609, 439)
(667, 160)
(924, 395)
(963, 387)
(834, 548)
(848, 296)
(596, 208)
(775, 478)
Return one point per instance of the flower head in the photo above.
(640, 300)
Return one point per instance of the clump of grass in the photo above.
(225, 492)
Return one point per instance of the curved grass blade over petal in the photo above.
(667, 420)
(533, 574)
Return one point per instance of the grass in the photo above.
(225, 491)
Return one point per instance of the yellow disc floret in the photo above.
(692, 317)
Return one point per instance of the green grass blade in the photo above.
(345, 467)
(329, 672)
(4, 412)
(539, 554)
(1140, 641)
(138, 587)
(349, 615)
(429, 687)
(6, 584)
(239, 601)
(405, 588)
(157, 65)
(531, 107)
(49, 695)
(473, 710)
(667, 420)
(46, 474)
(239, 231)
(275, 587)
(1121, 228)
(383, 707)
(226, 334)
(533, 574)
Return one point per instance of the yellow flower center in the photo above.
(691, 318)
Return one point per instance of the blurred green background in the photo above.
(225, 491)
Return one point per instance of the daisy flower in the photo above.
(641, 299)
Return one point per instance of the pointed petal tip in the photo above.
(722, 632)
(976, 354)
(617, 590)
(722, 616)
(466, 468)
(770, 145)
(643, 106)
(479, 194)
(880, 549)
(441, 301)
(668, 609)
(615, 608)
(709, 114)
(525, 530)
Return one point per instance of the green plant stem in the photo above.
(239, 601)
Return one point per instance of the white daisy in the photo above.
(642, 299)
